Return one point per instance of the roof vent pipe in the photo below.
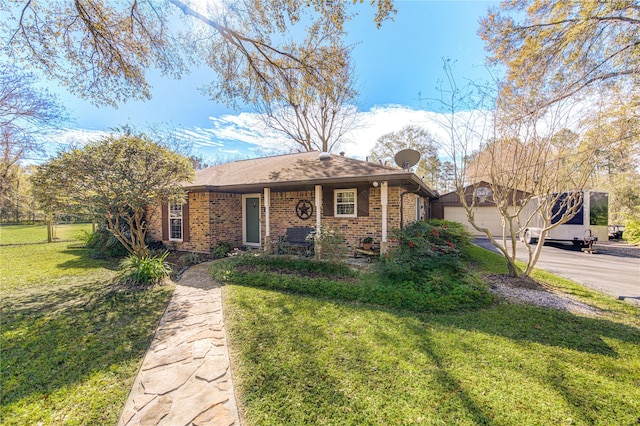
(324, 156)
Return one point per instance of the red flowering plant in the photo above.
(431, 238)
(425, 250)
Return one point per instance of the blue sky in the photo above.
(393, 64)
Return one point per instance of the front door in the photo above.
(251, 221)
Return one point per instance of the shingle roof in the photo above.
(297, 169)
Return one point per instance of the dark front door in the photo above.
(251, 211)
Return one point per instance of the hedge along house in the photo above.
(252, 203)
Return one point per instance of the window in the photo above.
(345, 202)
(175, 221)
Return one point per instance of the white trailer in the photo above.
(588, 225)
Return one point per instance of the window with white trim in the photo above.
(175, 222)
(345, 202)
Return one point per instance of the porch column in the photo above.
(318, 194)
(267, 231)
(384, 244)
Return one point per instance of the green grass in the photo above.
(35, 265)
(30, 234)
(300, 360)
(71, 341)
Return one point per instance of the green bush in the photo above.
(145, 270)
(632, 231)
(426, 257)
(332, 244)
(337, 281)
(221, 250)
(103, 243)
(190, 259)
(296, 264)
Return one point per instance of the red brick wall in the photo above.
(213, 218)
(283, 212)
(225, 218)
(217, 217)
(354, 229)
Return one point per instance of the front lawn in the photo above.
(28, 234)
(302, 359)
(71, 341)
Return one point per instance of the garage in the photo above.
(486, 217)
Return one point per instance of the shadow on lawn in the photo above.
(550, 327)
(84, 260)
(313, 356)
(56, 339)
(290, 365)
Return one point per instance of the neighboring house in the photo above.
(253, 202)
(487, 215)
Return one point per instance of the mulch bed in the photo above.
(528, 283)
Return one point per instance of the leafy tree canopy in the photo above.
(562, 48)
(102, 50)
(25, 112)
(119, 177)
(410, 137)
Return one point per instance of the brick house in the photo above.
(252, 202)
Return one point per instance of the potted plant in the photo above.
(366, 243)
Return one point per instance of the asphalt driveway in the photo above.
(614, 269)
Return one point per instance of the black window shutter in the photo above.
(185, 222)
(165, 222)
(327, 202)
(363, 202)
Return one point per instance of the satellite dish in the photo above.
(324, 156)
(407, 158)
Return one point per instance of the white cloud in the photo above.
(244, 133)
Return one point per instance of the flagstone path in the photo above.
(185, 378)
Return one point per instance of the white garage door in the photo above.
(486, 217)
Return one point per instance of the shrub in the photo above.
(145, 270)
(222, 249)
(333, 245)
(104, 244)
(426, 257)
(190, 259)
(632, 231)
(337, 281)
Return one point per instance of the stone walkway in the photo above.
(185, 377)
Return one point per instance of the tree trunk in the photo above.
(50, 235)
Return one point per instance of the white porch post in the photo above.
(267, 208)
(318, 194)
(384, 244)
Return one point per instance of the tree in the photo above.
(521, 155)
(616, 169)
(314, 113)
(411, 137)
(119, 177)
(25, 113)
(564, 48)
(102, 50)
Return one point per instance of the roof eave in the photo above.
(397, 178)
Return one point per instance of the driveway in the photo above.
(614, 269)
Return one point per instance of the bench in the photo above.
(297, 239)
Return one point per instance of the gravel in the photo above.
(527, 291)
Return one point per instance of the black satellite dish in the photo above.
(407, 158)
